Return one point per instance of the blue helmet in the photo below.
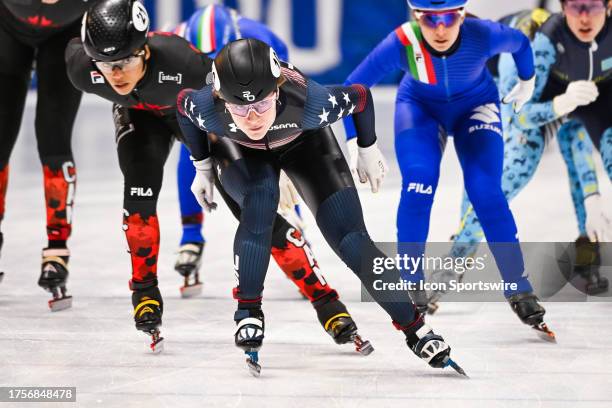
(436, 4)
(211, 27)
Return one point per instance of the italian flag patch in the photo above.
(419, 59)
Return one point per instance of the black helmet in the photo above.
(246, 71)
(114, 29)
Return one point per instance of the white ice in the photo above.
(94, 346)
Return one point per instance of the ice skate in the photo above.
(53, 276)
(249, 336)
(339, 324)
(587, 264)
(188, 265)
(431, 348)
(527, 308)
(148, 310)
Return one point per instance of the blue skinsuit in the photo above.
(451, 93)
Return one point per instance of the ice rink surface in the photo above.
(94, 346)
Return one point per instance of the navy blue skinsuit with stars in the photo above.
(301, 143)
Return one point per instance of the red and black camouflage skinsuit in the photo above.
(145, 122)
(32, 32)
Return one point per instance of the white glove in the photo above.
(353, 153)
(289, 197)
(371, 165)
(578, 93)
(520, 94)
(598, 224)
(203, 182)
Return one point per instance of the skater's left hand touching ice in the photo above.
(520, 94)
(598, 224)
(371, 165)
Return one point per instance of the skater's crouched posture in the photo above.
(35, 34)
(143, 74)
(447, 90)
(279, 119)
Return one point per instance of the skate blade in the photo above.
(456, 367)
(252, 364)
(254, 368)
(364, 348)
(545, 333)
(60, 304)
(191, 290)
(157, 346)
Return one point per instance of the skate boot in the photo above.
(429, 347)
(339, 324)
(188, 265)
(527, 308)
(148, 310)
(249, 336)
(588, 262)
(53, 276)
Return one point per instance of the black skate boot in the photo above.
(588, 262)
(53, 276)
(338, 323)
(527, 308)
(148, 309)
(249, 336)
(188, 265)
(429, 347)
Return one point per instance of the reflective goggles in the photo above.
(125, 64)
(433, 19)
(259, 108)
(577, 7)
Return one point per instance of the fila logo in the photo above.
(284, 126)
(140, 192)
(96, 77)
(420, 188)
(178, 78)
(488, 113)
(248, 96)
